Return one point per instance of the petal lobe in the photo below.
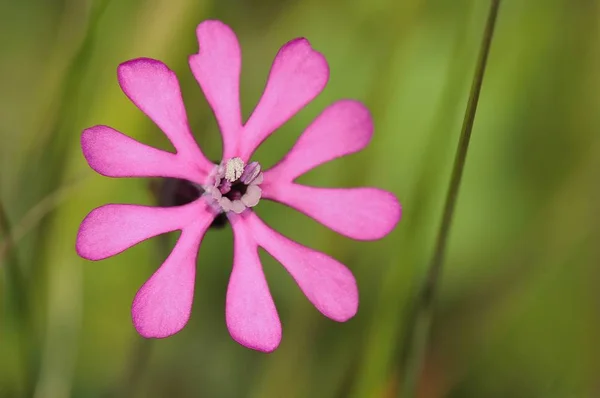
(113, 228)
(327, 283)
(342, 128)
(113, 154)
(154, 89)
(359, 213)
(297, 76)
(217, 68)
(251, 316)
(163, 305)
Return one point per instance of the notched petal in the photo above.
(113, 154)
(217, 68)
(326, 282)
(342, 128)
(297, 76)
(154, 89)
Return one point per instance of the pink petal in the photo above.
(359, 213)
(297, 76)
(217, 69)
(154, 88)
(327, 283)
(111, 229)
(250, 313)
(343, 128)
(114, 154)
(163, 304)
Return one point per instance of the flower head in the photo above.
(234, 187)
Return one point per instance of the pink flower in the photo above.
(163, 304)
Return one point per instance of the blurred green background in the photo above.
(518, 311)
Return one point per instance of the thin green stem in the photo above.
(418, 333)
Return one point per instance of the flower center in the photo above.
(235, 186)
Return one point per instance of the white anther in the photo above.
(234, 169)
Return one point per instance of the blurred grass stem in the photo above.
(137, 365)
(18, 303)
(64, 283)
(418, 336)
(36, 214)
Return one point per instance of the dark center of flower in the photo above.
(232, 186)
(170, 192)
(237, 191)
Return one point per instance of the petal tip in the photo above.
(346, 316)
(153, 334)
(300, 42)
(265, 345)
(386, 213)
(151, 324)
(349, 309)
(346, 308)
(83, 246)
(141, 62)
(149, 332)
(86, 140)
(211, 25)
(392, 210)
(137, 69)
(80, 249)
(215, 34)
(396, 210)
(360, 111)
(301, 46)
(91, 139)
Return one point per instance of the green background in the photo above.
(518, 310)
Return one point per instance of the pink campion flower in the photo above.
(163, 304)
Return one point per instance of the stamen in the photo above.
(251, 171)
(234, 169)
(235, 186)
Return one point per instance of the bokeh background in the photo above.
(518, 310)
